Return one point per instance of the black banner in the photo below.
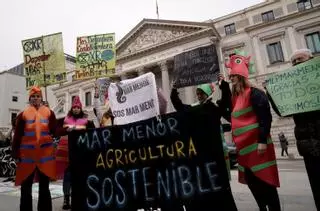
(195, 67)
(152, 164)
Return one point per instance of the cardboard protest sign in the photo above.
(95, 56)
(196, 67)
(152, 164)
(103, 86)
(134, 99)
(44, 60)
(297, 89)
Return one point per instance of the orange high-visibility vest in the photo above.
(245, 132)
(36, 148)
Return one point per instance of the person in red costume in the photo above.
(33, 148)
(251, 123)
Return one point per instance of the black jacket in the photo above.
(222, 108)
(261, 107)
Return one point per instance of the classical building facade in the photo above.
(269, 32)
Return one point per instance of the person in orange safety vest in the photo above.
(251, 123)
(33, 148)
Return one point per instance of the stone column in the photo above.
(141, 71)
(258, 58)
(67, 104)
(82, 97)
(221, 60)
(189, 95)
(123, 76)
(165, 78)
(166, 89)
(292, 40)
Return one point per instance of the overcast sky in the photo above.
(24, 19)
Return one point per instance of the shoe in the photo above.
(10, 179)
(66, 203)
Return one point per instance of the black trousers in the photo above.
(284, 150)
(67, 182)
(313, 170)
(44, 200)
(265, 195)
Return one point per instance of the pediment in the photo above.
(149, 33)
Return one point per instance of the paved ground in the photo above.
(295, 193)
(293, 154)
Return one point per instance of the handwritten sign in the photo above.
(195, 67)
(44, 60)
(134, 99)
(151, 164)
(95, 56)
(296, 90)
(103, 86)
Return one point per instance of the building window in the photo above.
(313, 42)
(230, 29)
(304, 5)
(14, 98)
(88, 99)
(267, 16)
(275, 52)
(72, 99)
(13, 116)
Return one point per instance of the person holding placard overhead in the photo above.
(204, 94)
(251, 123)
(307, 133)
(221, 108)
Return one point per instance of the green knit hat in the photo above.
(206, 88)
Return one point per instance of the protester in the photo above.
(75, 120)
(251, 123)
(204, 94)
(307, 133)
(283, 143)
(33, 147)
(221, 108)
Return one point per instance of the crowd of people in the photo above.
(245, 106)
